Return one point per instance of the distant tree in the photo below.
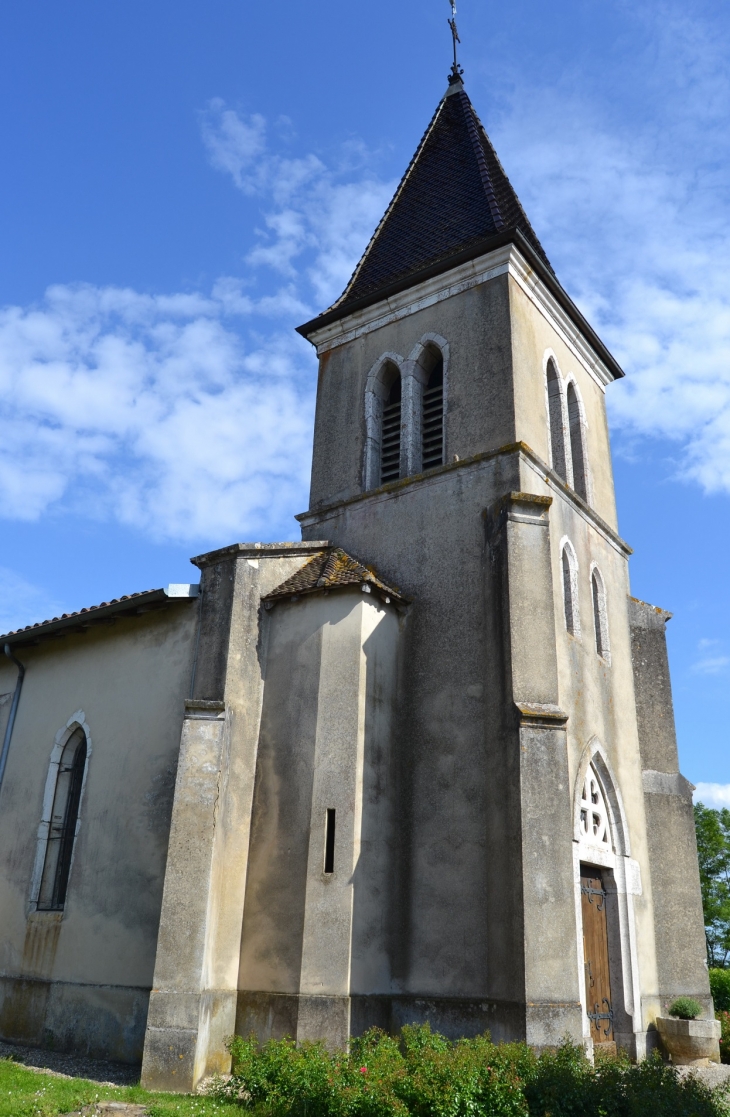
(713, 849)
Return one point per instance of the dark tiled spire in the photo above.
(453, 196)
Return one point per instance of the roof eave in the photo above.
(488, 244)
(383, 592)
(134, 605)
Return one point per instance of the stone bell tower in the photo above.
(443, 787)
(544, 879)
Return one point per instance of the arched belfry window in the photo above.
(577, 443)
(62, 824)
(600, 615)
(432, 421)
(569, 567)
(557, 426)
(390, 436)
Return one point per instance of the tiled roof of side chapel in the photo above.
(330, 570)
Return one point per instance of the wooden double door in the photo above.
(595, 954)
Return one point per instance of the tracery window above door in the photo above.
(594, 825)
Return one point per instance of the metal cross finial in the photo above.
(456, 70)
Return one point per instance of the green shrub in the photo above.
(686, 1008)
(423, 1074)
(720, 989)
(566, 1085)
(724, 1018)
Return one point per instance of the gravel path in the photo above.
(72, 1066)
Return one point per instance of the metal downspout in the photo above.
(13, 711)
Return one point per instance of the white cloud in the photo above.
(712, 661)
(22, 603)
(317, 218)
(153, 411)
(712, 794)
(188, 415)
(712, 665)
(234, 145)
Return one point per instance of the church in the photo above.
(420, 766)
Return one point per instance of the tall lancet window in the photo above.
(577, 443)
(391, 430)
(600, 615)
(62, 827)
(557, 428)
(432, 423)
(570, 590)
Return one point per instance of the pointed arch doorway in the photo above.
(595, 830)
(606, 880)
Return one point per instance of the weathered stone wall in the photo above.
(193, 1003)
(303, 724)
(672, 847)
(81, 979)
(311, 939)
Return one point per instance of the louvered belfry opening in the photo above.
(390, 436)
(62, 829)
(433, 417)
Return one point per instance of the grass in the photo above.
(31, 1093)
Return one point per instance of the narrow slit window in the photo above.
(390, 435)
(62, 826)
(433, 417)
(600, 618)
(329, 841)
(577, 445)
(570, 602)
(557, 432)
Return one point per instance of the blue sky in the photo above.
(184, 183)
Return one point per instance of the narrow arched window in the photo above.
(62, 826)
(557, 430)
(570, 590)
(432, 423)
(577, 444)
(391, 429)
(600, 616)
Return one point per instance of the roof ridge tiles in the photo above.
(473, 124)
